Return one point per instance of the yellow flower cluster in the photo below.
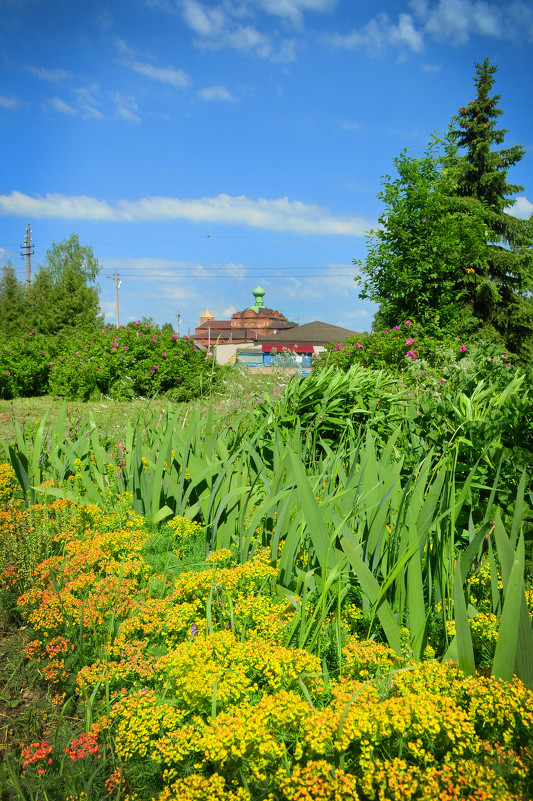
(183, 528)
(318, 779)
(8, 482)
(140, 719)
(197, 788)
(249, 576)
(363, 658)
(238, 668)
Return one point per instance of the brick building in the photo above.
(245, 327)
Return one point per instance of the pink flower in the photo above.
(125, 347)
(150, 372)
(153, 339)
(174, 336)
(441, 381)
(164, 354)
(374, 351)
(462, 348)
(408, 322)
(412, 354)
(386, 331)
(395, 327)
(409, 342)
(358, 345)
(8, 373)
(505, 356)
(338, 347)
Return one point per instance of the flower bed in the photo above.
(180, 685)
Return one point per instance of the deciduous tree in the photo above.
(63, 295)
(428, 244)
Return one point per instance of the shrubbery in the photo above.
(131, 361)
(409, 349)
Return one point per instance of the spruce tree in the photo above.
(503, 282)
(13, 313)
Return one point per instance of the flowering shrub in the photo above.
(421, 358)
(133, 360)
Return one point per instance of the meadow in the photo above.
(285, 589)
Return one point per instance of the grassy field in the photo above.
(239, 390)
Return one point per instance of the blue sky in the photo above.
(202, 148)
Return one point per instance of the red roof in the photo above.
(269, 347)
(218, 324)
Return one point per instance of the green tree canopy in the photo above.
(429, 241)
(63, 295)
(447, 253)
(13, 318)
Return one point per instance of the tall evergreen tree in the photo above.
(503, 283)
(13, 313)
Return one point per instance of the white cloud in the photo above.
(56, 104)
(223, 26)
(150, 267)
(215, 93)
(293, 10)
(168, 75)
(350, 126)
(233, 270)
(229, 312)
(54, 75)
(380, 33)
(126, 108)
(203, 20)
(457, 21)
(523, 208)
(9, 102)
(431, 68)
(336, 280)
(88, 101)
(280, 214)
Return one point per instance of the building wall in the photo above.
(227, 352)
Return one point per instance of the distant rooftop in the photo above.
(316, 333)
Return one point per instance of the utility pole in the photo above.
(117, 286)
(178, 321)
(27, 250)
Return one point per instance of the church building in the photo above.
(245, 327)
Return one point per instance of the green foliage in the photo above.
(447, 253)
(503, 283)
(418, 260)
(12, 302)
(61, 297)
(135, 360)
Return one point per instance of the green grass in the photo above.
(239, 389)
